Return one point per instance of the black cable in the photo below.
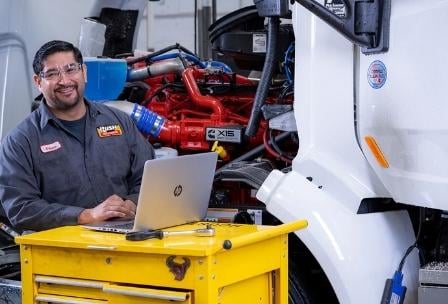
(159, 90)
(286, 91)
(182, 59)
(255, 152)
(276, 147)
(410, 249)
(185, 50)
(147, 58)
(415, 245)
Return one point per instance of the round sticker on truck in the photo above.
(377, 74)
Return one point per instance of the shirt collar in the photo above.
(46, 115)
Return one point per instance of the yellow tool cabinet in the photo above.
(76, 265)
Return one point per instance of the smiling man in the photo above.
(70, 161)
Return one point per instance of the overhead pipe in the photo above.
(158, 68)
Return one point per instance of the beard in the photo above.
(66, 97)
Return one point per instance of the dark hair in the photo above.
(50, 48)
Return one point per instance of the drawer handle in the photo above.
(146, 293)
(59, 300)
(68, 282)
(99, 247)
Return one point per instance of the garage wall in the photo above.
(26, 24)
(172, 21)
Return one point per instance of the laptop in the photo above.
(174, 191)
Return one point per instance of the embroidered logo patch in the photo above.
(111, 130)
(51, 147)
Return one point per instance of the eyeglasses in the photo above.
(70, 69)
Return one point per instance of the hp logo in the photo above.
(177, 190)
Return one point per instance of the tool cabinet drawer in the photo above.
(108, 266)
(52, 289)
(73, 265)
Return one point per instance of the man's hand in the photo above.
(113, 206)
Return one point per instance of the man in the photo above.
(70, 161)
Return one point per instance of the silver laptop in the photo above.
(174, 191)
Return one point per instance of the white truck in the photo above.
(371, 175)
(371, 120)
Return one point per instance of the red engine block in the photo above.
(205, 101)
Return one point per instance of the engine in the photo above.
(202, 108)
(192, 106)
(240, 104)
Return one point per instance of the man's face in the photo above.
(62, 81)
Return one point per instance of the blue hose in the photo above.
(147, 121)
(195, 60)
(220, 65)
(289, 61)
(192, 58)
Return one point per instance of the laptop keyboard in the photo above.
(129, 226)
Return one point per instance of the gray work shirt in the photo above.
(47, 176)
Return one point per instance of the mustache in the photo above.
(62, 87)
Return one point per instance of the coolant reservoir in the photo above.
(106, 78)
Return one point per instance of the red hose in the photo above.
(188, 76)
(271, 151)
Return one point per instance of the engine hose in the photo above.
(255, 152)
(189, 57)
(147, 121)
(159, 68)
(288, 62)
(196, 60)
(265, 79)
(176, 46)
(272, 151)
(207, 101)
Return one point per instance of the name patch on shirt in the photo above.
(51, 147)
(110, 130)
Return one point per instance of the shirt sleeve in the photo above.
(20, 194)
(141, 151)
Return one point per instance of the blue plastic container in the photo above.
(105, 78)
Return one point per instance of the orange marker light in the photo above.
(376, 151)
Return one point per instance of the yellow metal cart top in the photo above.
(76, 265)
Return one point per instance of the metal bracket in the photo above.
(179, 270)
(366, 22)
